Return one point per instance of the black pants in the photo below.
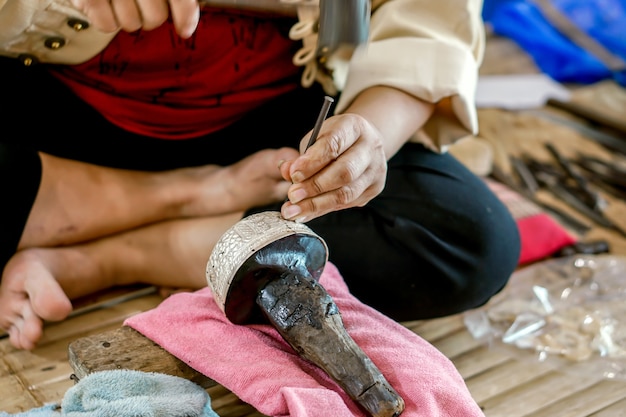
(435, 242)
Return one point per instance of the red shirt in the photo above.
(157, 84)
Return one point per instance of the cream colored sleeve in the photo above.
(430, 49)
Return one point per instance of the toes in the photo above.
(48, 300)
(31, 329)
(26, 328)
(14, 337)
(10, 310)
(30, 295)
(26, 332)
(24, 324)
(23, 335)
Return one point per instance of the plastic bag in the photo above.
(558, 53)
(569, 313)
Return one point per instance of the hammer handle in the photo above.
(308, 319)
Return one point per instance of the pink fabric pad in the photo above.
(540, 235)
(256, 364)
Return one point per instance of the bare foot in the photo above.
(252, 182)
(38, 283)
(30, 294)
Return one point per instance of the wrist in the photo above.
(396, 114)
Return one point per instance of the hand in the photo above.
(132, 15)
(346, 167)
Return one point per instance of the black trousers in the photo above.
(435, 242)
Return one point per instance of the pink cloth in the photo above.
(257, 365)
(540, 235)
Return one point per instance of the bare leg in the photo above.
(119, 227)
(38, 284)
(77, 202)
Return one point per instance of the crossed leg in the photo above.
(77, 202)
(39, 282)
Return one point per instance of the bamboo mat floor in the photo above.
(502, 384)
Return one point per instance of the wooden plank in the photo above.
(43, 375)
(15, 396)
(614, 410)
(587, 402)
(20, 360)
(225, 403)
(503, 378)
(128, 349)
(526, 399)
(457, 343)
(435, 329)
(42, 385)
(125, 348)
(101, 301)
(31, 379)
(477, 361)
(78, 325)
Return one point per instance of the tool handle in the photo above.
(590, 114)
(309, 320)
(320, 120)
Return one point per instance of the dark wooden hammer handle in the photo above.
(308, 319)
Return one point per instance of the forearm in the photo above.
(430, 50)
(396, 114)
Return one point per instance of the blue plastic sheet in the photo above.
(554, 52)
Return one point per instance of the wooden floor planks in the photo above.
(584, 402)
(502, 384)
(31, 379)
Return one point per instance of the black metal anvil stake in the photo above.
(266, 269)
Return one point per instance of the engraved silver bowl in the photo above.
(255, 250)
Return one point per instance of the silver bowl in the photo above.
(253, 251)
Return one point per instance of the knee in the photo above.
(495, 256)
(428, 257)
(462, 267)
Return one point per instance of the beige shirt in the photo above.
(430, 49)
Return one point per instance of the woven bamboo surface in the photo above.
(502, 384)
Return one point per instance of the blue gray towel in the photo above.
(126, 393)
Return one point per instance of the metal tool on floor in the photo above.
(609, 176)
(611, 142)
(529, 188)
(572, 188)
(587, 194)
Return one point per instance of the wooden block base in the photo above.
(125, 348)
